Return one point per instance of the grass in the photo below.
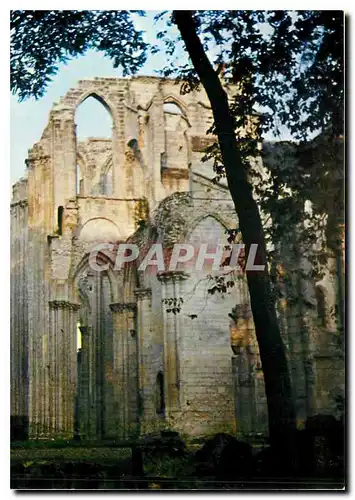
(96, 455)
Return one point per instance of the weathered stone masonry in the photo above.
(139, 367)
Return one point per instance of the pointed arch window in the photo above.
(175, 153)
(172, 107)
(93, 118)
(94, 126)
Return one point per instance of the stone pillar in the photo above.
(309, 370)
(118, 320)
(92, 354)
(132, 373)
(123, 321)
(83, 385)
(250, 393)
(157, 142)
(245, 391)
(62, 367)
(300, 318)
(64, 157)
(172, 289)
(146, 173)
(146, 378)
(19, 320)
(118, 142)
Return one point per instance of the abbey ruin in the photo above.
(100, 353)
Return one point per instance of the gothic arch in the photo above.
(198, 221)
(103, 259)
(100, 98)
(99, 228)
(76, 96)
(176, 144)
(94, 144)
(217, 235)
(172, 99)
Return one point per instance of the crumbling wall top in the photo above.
(20, 190)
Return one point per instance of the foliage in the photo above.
(41, 39)
(287, 71)
(141, 213)
(287, 64)
(173, 304)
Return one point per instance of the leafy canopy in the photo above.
(40, 40)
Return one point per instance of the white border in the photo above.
(5, 192)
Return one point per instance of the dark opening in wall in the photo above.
(60, 220)
(160, 395)
(133, 144)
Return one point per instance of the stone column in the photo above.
(118, 320)
(83, 385)
(146, 189)
(308, 375)
(157, 142)
(132, 373)
(63, 157)
(63, 366)
(19, 315)
(172, 289)
(121, 321)
(300, 317)
(146, 381)
(118, 142)
(244, 387)
(92, 347)
(244, 347)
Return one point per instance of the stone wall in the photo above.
(140, 367)
(19, 304)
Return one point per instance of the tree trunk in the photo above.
(272, 350)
